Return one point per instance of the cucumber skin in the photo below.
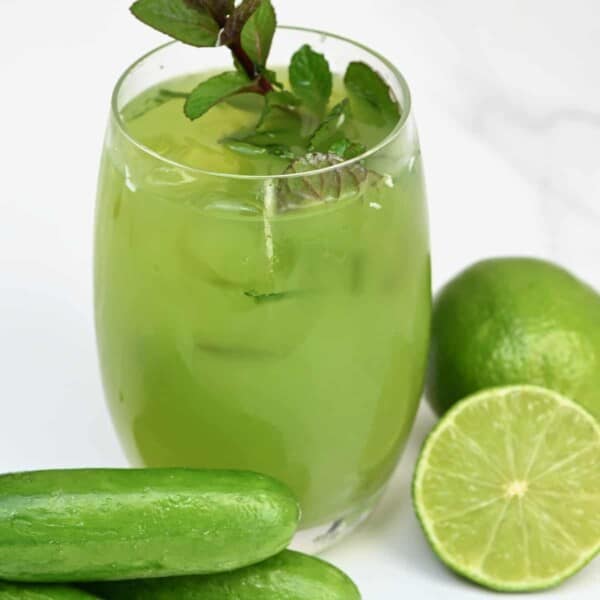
(32, 591)
(287, 576)
(114, 524)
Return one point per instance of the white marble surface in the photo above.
(507, 97)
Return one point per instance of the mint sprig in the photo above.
(212, 23)
(295, 124)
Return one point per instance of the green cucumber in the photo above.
(109, 524)
(32, 591)
(287, 576)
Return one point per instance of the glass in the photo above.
(235, 334)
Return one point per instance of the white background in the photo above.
(507, 97)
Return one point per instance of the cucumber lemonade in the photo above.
(256, 315)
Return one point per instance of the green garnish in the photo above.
(188, 22)
(257, 33)
(347, 149)
(215, 90)
(254, 150)
(311, 79)
(294, 124)
(370, 96)
(330, 186)
(332, 128)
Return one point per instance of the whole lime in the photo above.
(515, 321)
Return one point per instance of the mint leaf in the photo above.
(331, 135)
(311, 79)
(251, 103)
(219, 9)
(194, 26)
(331, 129)
(213, 90)
(331, 186)
(278, 130)
(257, 33)
(279, 127)
(371, 98)
(277, 100)
(242, 147)
(347, 149)
(279, 124)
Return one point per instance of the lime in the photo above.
(515, 321)
(507, 488)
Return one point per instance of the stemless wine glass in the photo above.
(236, 330)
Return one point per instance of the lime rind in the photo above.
(525, 584)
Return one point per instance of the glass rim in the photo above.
(389, 138)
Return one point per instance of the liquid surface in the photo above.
(235, 335)
(156, 119)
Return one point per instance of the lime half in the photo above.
(507, 488)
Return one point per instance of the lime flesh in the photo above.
(507, 488)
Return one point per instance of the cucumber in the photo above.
(32, 591)
(108, 524)
(287, 576)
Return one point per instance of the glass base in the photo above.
(318, 539)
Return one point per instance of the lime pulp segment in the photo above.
(507, 488)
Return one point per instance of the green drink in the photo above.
(238, 328)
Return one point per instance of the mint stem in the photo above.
(263, 84)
